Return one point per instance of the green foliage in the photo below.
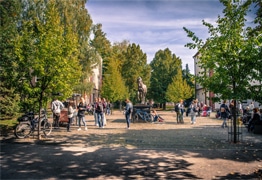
(101, 44)
(9, 102)
(164, 68)
(9, 98)
(113, 88)
(178, 89)
(229, 54)
(134, 65)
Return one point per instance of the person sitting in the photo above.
(254, 120)
(157, 117)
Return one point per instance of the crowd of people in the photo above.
(101, 108)
(250, 115)
(193, 111)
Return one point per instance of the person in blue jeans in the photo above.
(157, 117)
(99, 109)
(128, 112)
(81, 114)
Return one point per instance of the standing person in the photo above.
(182, 110)
(57, 106)
(178, 111)
(108, 108)
(199, 107)
(94, 112)
(251, 108)
(192, 111)
(240, 109)
(104, 110)
(81, 114)
(128, 112)
(71, 112)
(254, 120)
(224, 111)
(99, 109)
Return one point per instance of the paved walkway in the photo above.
(146, 151)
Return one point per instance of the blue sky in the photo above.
(155, 24)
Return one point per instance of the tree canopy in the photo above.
(164, 66)
(229, 54)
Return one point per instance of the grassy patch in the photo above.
(7, 125)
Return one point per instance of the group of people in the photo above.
(193, 111)
(100, 107)
(226, 113)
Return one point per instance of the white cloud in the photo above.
(155, 24)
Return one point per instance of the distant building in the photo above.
(96, 79)
(200, 93)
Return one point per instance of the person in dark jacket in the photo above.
(99, 110)
(224, 111)
(254, 120)
(81, 114)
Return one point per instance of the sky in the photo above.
(156, 24)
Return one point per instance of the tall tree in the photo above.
(101, 44)
(74, 14)
(229, 53)
(135, 65)
(113, 85)
(164, 68)
(9, 15)
(46, 51)
(178, 88)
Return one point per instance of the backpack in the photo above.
(177, 108)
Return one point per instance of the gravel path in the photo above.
(146, 151)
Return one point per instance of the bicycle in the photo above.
(143, 115)
(28, 124)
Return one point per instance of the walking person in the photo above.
(224, 111)
(81, 114)
(57, 106)
(128, 112)
(193, 111)
(71, 112)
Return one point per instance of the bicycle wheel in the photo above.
(22, 130)
(135, 118)
(148, 117)
(47, 128)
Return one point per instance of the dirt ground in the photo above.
(145, 151)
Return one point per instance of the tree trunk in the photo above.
(39, 116)
(234, 115)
